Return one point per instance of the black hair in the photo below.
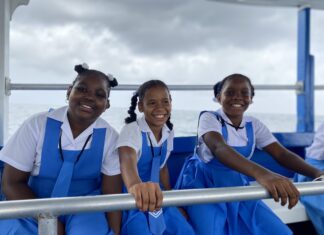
(219, 85)
(82, 69)
(139, 96)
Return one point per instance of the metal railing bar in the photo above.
(71, 205)
(132, 87)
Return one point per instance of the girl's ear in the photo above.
(140, 106)
(68, 92)
(218, 98)
(108, 104)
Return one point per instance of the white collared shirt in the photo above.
(316, 150)
(131, 136)
(209, 123)
(24, 149)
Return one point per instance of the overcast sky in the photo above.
(178, 41)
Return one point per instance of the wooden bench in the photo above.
(296, 142)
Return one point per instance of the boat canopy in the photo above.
(315, 4)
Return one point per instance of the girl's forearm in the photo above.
(297, 164)
(130, 177)
(18, 191)
(230, 158)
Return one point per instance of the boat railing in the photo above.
(47, 210)
(298, 87)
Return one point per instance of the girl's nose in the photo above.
(159, 105)
(238, 95)
(90, 95)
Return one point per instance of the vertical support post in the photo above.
(7, 8)
(47, 224)
(305, 74)
(5, 15)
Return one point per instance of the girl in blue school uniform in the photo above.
(314, 203)
(226, 141)
(144, 146)
(69, 151)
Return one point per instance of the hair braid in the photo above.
(131, 110)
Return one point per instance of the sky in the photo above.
(177, 41)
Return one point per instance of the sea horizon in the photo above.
(185, 121)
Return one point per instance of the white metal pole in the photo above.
(7, 7)
(72, 205)
(47, 224)
(4, 66)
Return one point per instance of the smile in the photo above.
(86, 107)
(237, 105)
(159, 116)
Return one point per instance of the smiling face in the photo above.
(156, 106)
(88, 99)
(235, 98)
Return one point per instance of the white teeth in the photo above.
(86, 106)
(237, 105)
(159, 116)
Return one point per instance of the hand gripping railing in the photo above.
(48, 209)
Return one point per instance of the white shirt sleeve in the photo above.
(316, 150)
(130, 136)
(207, 123)
(263, 136)
(21, 149)
(110, 165)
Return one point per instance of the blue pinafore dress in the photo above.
(314, 203)
(167, 221)
(84, 179)
(232, 218)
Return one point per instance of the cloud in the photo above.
(179, 41)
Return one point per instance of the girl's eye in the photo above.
(246, 93)
(229, 93)
(81, 89)
(101, 95)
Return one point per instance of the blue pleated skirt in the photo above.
(232, 218)
(78, 224)
(314, 204)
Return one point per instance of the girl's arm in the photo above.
(292, 161)
(165, 177)
(277, 185)
(15, 187)
(15, 184)
(113, 185)
(148, 195)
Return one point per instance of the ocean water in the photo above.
(185, 121)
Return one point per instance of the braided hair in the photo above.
(219, 85)
(139, 96)
(83, 69)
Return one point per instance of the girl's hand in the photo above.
(148, 196)
(319, 176)
(280, 187)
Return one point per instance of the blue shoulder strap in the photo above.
(218, 117)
